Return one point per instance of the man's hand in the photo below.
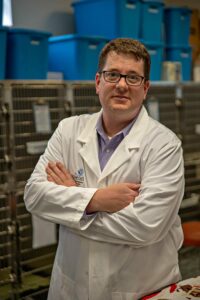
(109, 199)
(113, 198)
(57, 173)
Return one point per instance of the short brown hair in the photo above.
(126, 46)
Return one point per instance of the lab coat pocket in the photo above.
(124, 296)
(61, 286)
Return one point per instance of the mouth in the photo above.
(121, 97)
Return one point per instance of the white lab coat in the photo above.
(112, 256)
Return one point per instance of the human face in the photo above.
(119, 99)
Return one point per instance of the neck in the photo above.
(115, 123)
(112, 126)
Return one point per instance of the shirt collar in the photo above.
(100, 130)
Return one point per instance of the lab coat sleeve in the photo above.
(155, 211)
(56, 203)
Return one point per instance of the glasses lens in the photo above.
(111, 76)
(134, 79)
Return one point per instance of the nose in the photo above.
(122, 83)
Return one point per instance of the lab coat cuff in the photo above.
(86, 219)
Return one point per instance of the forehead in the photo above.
(124, 63)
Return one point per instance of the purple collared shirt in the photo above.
(108, 145)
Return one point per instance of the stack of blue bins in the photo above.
(3, 42)
(152, 35)
(177, 32)
(97, 22)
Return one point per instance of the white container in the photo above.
(171, 71)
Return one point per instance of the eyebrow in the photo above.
(129, 73)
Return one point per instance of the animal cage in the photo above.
(82, 97)
(190, 208)
(30, 112)
(190, 119)
(37, 109)
(163, 106)
(190, 128)
(177, 106)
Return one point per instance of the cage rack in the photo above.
(177, 106)
(82, 97)
(23, 137)
(190, 119)
(5, 220)
(22, 140)
(162, 105)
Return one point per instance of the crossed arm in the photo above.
(109, 199)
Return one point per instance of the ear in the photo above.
(146, 88)
(97, 82)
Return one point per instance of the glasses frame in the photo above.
(121, 76)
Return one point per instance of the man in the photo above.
(114, 182)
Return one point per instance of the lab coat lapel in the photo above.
(89, 145)
(130, 143)
(120, 156)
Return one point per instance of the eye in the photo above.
(112, 75)
(133, 77)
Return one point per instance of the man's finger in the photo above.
(49, 178)
(53, 176)
(64, 170)
(133, 186)
(54, 169)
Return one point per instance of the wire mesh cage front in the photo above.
(82, 98)
(34, 111)
(191, 119)
(37, 109)
(5, 217)
(162, 106)
(178, 107)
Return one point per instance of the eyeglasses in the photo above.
(114, 77)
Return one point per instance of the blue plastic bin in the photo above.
(177, 25)
(183, 55)
(107, 18)
(152, 21)
(156, 52)
(3, 39)
(75, 56)
(27, 54)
